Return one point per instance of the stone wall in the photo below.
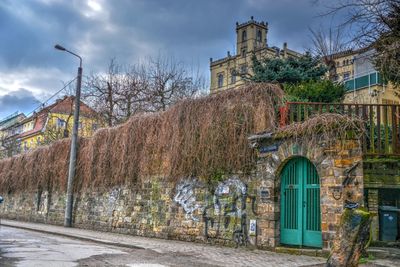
(241, 209)
(382, 172)
(189, 210)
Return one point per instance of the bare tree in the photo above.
(100, 91)
(131, 96)
(170, 82)
(9, 146)
(388, 47)
(367, 19)
(374, 24)
(325, 44)
(149, 86)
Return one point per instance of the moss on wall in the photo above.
(381, 172)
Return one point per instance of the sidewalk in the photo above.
(223, 256)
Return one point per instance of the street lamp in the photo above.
(74, 142)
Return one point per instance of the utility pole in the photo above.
(74, 143)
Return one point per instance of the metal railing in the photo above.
(382, 122)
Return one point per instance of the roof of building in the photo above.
(40, 122)
(262, 24)
(349, 52)
(11, 120)
(273, 49)
(61, 106)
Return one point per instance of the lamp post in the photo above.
(74, 142)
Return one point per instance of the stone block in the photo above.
(343, 162)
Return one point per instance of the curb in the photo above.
(94, 240)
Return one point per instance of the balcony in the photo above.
(366, 81)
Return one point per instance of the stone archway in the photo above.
(333, 166)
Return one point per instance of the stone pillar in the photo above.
(373, 204)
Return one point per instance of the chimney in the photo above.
(284, 49)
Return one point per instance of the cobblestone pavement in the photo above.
(165, 252)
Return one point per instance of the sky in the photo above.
(191, 31)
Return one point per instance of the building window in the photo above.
(38, 140)
(244, 36)
(233, 76)
(346, 75)
(61, 123)
(95, 126)
(259, 36)
(244, 50)
(243, 69)
(220, 80)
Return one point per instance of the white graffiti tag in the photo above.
(186, 198)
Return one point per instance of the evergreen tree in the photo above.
(288, 70)
(303, 78)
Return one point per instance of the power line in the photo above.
(42, 105)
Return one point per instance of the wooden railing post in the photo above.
(364, 137)
(394, 129)
(378, 128)
(371, 129)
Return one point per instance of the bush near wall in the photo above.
(202, 137)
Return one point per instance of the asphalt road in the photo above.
(27, 248)
(20, 247)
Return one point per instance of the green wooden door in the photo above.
(300, 204)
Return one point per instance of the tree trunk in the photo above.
(111, 104)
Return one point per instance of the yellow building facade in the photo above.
(251, 39)
(57, 126)
(55, 122)
(364, 84)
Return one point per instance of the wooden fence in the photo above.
(382, 122)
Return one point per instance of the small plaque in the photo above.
(264, 194)
(253, 227)
(266, 149)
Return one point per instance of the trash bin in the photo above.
(388, 223)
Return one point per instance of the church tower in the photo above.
(235, 69)
(250, 36)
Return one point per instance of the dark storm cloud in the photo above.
(129, 30)
(21, 100)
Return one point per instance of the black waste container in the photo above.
(388, 223)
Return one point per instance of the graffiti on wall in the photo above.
(224, 209)
(185, 196)
(112, 200)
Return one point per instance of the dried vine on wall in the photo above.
(327, 127)
(197, 137)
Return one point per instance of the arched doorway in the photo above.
(300, 204)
